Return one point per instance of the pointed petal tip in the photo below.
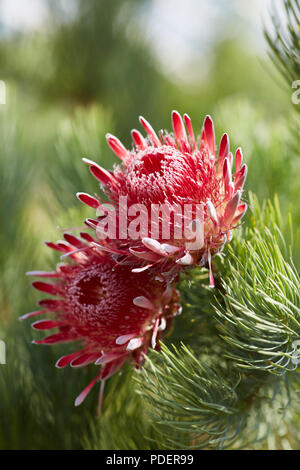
(142, 269)
(41, 325)
(123, 339)
(150, 131)
(87, 199)
(102, 175)
(238, 159)
(138, 139)
(44, 287)
(208, 134)
(185, 260)
(224, 147)
(231, 207)
(82, 396)
(142, 302)
(134, 343)
(32, 314)
(78, 401)
(189, 126)
(178, 128)
(46, 274)
(153, 245)
(135, 134)
(116, 146)
(211, 276)
(99, 361)
(24, 317)
(88, 161)
(208, 118)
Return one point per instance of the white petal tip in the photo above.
(186, 260)
(124, 339)
(78, 401)
(143, 302)
(134, 344)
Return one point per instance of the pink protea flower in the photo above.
(115, 314)
(174, 170)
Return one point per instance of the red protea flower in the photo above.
(173, 170)
(114, 313)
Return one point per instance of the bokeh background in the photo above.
(74, 70)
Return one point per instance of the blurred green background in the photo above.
(73, 71)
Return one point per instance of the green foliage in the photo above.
(265, 142)
(80, 135)
(15, 173)
(34, 403)
(37, 401)
(284, 44)
(260, 313)
(97, 55)
(211, 397)
(192, 404)
(124, 424)
(271, 152)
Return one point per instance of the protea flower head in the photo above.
(174, 171)
(115, 314)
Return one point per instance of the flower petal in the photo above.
(117, 146)
(150, 131)
(88, 200)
